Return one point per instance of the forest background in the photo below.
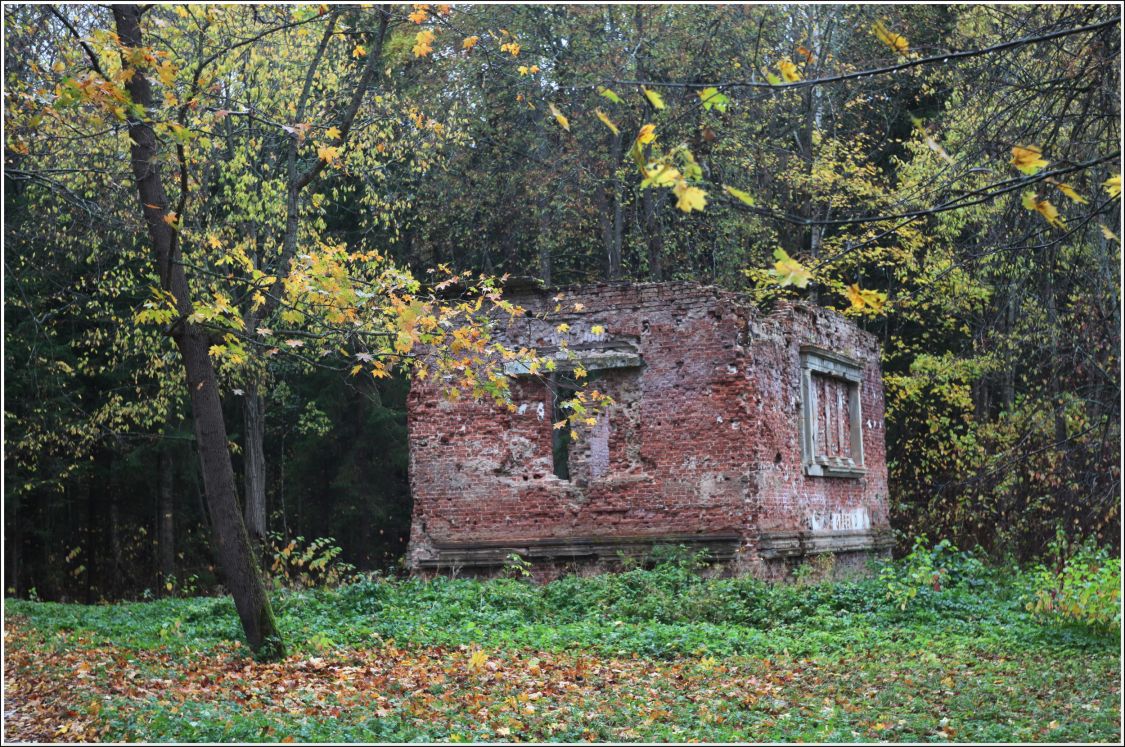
(961, 201)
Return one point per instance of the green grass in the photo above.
(832, 662)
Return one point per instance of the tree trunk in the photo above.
(651, 204)
(232, 543)
(165, 510)
(254, 420)
(13, 533)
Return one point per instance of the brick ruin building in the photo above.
(755, 436)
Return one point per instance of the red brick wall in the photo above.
(703, 438)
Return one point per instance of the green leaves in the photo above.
(712, 99)
(607, 93)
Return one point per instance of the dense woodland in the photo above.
(949, 176)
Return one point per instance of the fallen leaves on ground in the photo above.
(61, 687)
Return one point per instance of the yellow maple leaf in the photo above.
(562, 120)
(419, 16)
(477, 661)
(1049, 212)
(359, 51)
(333, 133)
(739, 194)
(327, 153)
(689, 197)
(1068, 190)
(788, 71)
(1028, 158)
(897, 42)
(647, 134)
(606, 121)
(862, 299)
(423, 43)
(661, 175)
(469, 42)
(789, 271)
(1113, 185)
(512, 48)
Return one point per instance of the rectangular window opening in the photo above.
(560, 437)
(831, 419)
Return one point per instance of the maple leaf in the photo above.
(359, 51)
(789, 271)
(1113, 185)
(333, 133)
(932, 144)
(419, 16)
(654, 98)
(607, 122)
(477, 661)
(739, 194)
(328, 154)
(607, 93)
(1068, 190)
(512, 48)
(423, 43)
(661, 175)
(1027, 158)
(647, 134)
(1049, 212)
(788, 71)
(689, 198)
(805, 52)
(712, 99)
(862, 299)
(562, 120)
(896, 42)
(469, 42)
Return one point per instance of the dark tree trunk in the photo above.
(232, 543)
(610, 215)
(651, 204)
(253, 416)
(13, 534)
(165, 511)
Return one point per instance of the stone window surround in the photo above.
(816, 360)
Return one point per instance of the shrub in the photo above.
(296, 564)
(929, 570)
(1085, 589)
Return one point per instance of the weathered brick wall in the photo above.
(701, 444)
